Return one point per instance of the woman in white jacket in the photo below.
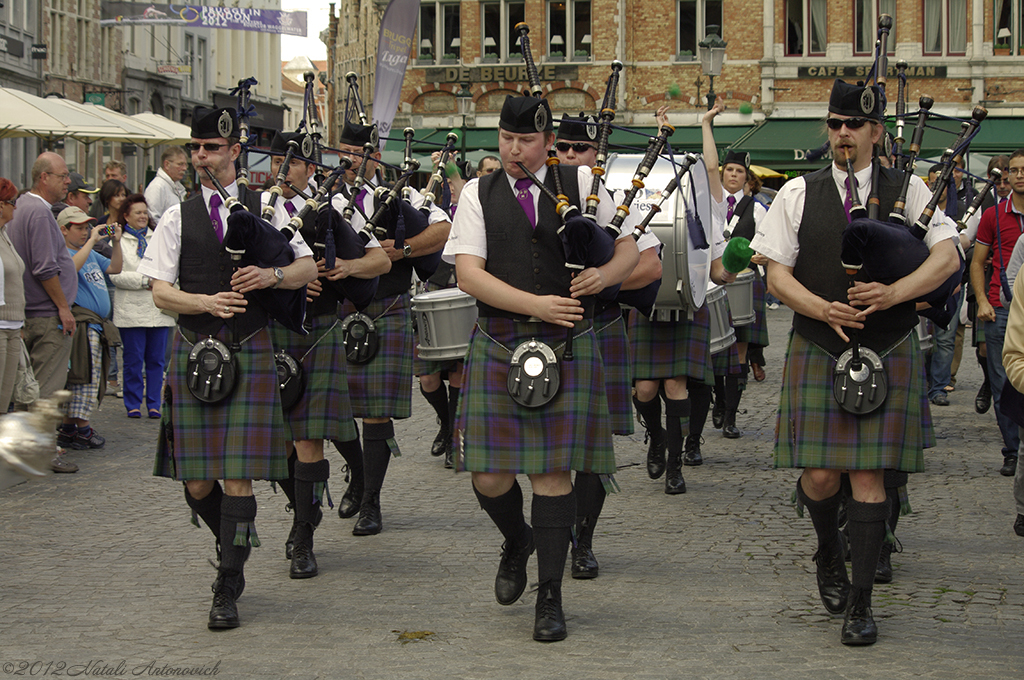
(144, 328)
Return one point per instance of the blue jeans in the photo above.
(995, 331)
(940, 366)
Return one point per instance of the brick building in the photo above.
(781, 59)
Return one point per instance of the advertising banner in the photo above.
(393, 49)
(202, 16)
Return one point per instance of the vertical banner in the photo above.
(393, 49)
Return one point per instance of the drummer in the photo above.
(741, 213)
(323, 411)
(668, 358)
(576, 144)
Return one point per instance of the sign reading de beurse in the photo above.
(493, 74)
(861, 71)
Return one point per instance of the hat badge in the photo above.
(224, 124)
(307, 146)
(540, 118)
(591, 127)
(374, 136)
(867, 100)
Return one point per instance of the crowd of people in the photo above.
(83, 273)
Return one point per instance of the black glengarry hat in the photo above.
(280, 143)
(356, 134)
(523, 115)
(858, 100)
(581, 129)
(214, 123)
(737, 157)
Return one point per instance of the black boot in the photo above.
(691, 451)
(718, 412)
(352, 452)
(983, 402)
(590, 495)
(859, 625)
(700, 404)
(506, 511)
(453, 405)
(288, 487)
(866, 522)
(833, 582)
(677, 412)
(733, 391)
(650, 418)
(438, 400)
(237, 536)
(377, 438)
(549, 621)
(553, 518)
(310, 481)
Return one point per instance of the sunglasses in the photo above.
(851, 123)
(578, 147)
(192, 147)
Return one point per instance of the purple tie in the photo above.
(525, 199)
(848, 203)
(732, 205)
(218, 226)
(289, 208)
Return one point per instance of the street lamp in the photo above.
(464, 97)
(712, 54)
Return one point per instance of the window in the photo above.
(945, 27)
(439, 39)
(200, 68)
(865, 25)
(694, 18)
(500, 37)
(1008, 17)
(190, 57)
(806, 27)
(569, 29)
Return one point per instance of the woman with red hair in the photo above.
(12, 297)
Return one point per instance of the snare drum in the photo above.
(445, 320)
(741, 298)
(722, 334)
(924, 338)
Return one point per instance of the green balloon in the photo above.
(674, 91)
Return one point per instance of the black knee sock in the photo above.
(650, 414)
(352, 452)
(824, 516)
(866, 522)
(376, 454)
(983, 362)
(552, 517)
(720, 391)
(309, 478)
(237, 531)
(288, 485)
(438, 400)
(453, 405)
(894, 481)
(700, 404)
(677, 424)
(590, 495)
(207, 507)
(506, 511)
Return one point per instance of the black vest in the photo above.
(328, 301)
(819, 264)
(206, 268)
(444, 276)
(745, 226)
(532, 260)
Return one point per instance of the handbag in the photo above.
(26, 387)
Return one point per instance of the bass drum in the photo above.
(686, 265)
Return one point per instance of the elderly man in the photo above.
(51, 279)
(166, 188)
(800, 237)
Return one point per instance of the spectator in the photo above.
(166, 188)
(112, 170)
(144, 328)
(1013, 360)
(80, 194)
(92, 306)
(12, 297)
(51, 283)
(112, 195)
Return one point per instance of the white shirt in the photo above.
(162, 193)
(469, 236)
(365, 201)
(777, 234)
(281, 216)
(163, 252)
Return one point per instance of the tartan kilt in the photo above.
(242, 437)
(727, 362)
(610, 329)
(498, 435)
(756, 333)
(813, 431)
(670, 349)
(324, 410)
(426, 366)
(383, 387)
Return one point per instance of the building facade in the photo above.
(20, 28)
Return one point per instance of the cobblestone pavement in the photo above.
(103, 567)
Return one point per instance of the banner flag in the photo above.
(203, 16)
(394, 45)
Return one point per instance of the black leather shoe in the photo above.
(718, 412)
(859, 626)
(883, 572)
(1018, 526)
(349, 504)
(691, 451)
(290, 543)
(674, 483)
(833, 583)
(731, 432)
(442, 441)
(549, 625)
(303, 559)
(584, 564)
(510, 582)
(656, 453)
(449, 457)
(983, 402)
(224, 612)
(1009, 468)
(369, 522)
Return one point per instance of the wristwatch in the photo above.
(279, 275)
(407, 250)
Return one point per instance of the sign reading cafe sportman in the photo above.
(862, 70)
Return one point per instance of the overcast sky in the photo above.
(316, 21)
